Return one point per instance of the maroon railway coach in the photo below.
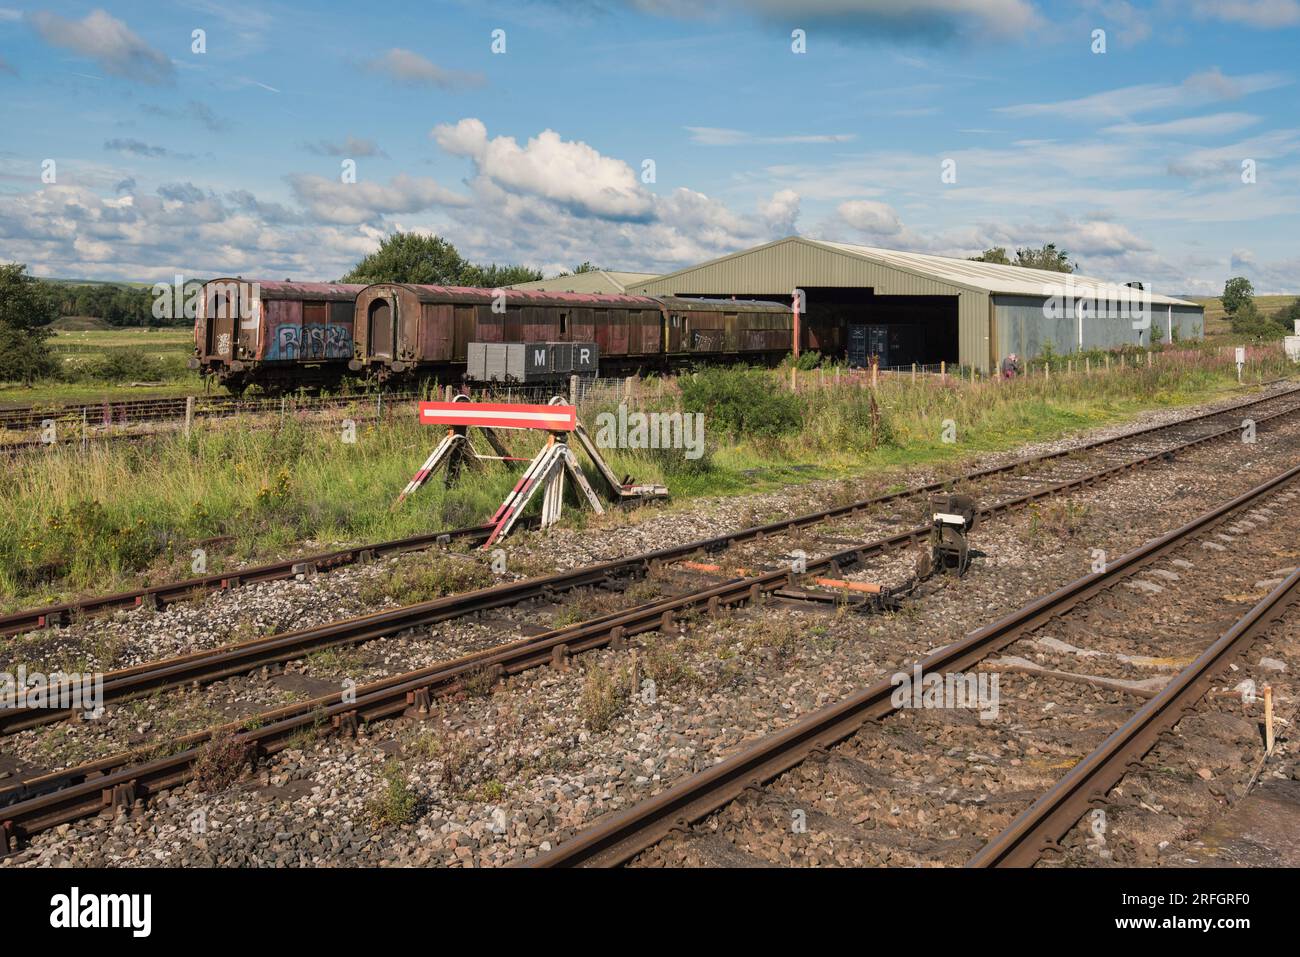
(405, 330)
(276, 335)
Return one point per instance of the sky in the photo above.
(280, 140)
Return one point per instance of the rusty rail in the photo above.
(157, 596)
(1041, 826)
(617, 838)
(229, 660)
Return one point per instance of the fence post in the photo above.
(943, 371)
(913, 371)
(875, 371)
(573, 390)
(1047, 371)
(189, 414)
(1087, 365)
(794, 380)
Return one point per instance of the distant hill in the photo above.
(1216, 319)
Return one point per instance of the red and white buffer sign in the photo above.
(545, 472)
(489, 415)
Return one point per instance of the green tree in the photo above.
(494, 276)
(994, 254)
(1288, 316)
(26, 310)
(1237, 293)
(1046, 257)
(411, 257)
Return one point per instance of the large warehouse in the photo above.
(911, 307)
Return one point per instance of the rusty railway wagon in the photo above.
(403, 330)
(275, 335)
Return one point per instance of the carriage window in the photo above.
(564, 323)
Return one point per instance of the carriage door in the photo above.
(223, 313)
(381, 323)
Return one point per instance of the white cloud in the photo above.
(1189, 126)
(568, 172)
(1207, 86)
(870, 217)
(411, 69)
(333, 201)
(719, 136)
(109, 42)
(780, 212)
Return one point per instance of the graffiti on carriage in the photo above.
(312, 341)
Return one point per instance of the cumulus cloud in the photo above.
(350, 146)
(411, 69)
(108, 41)
(871, 218)
(568, 172)
(780, 212)
(333, 201)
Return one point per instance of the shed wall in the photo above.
(777, 269)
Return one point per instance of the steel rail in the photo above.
(39, 803)
(1041, 826)
(167, 407)
(158, 595)
(619, 837)
(230, 660)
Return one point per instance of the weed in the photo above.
(397, 802)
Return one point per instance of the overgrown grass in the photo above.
(129, 514)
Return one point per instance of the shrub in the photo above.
(741, 401)
(220, 762)
(127, 365)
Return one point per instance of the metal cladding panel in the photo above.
(780, 267)
(1026, 326)
(585, 357)
(476, 361)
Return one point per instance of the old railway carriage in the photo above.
(403, 330)
(276, 335)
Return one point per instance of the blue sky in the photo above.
(231, 160)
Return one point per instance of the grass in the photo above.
(123, 515)
(1216, 318)
(80, 351)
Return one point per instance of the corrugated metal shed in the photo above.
(600, 280)
(778, 267)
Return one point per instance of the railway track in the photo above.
(754, 547)
(1184, 434)
(848, 758)
(122, 779)
(123, 412)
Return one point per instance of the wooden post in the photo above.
(189, 414)
(1087, 365)
(573, 390)
(943, 370)
(1148, 359)
(875, 371)
(1106, 358)
(794, 379)
(1268, 719)
(1047, 371)
(913, 371)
